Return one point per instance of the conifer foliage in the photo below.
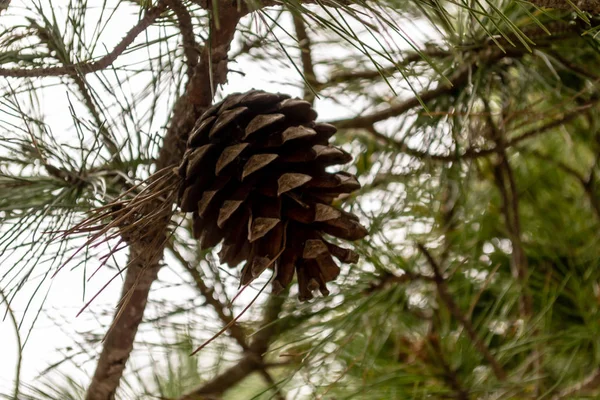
(432, 234)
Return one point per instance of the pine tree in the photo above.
(445, 152)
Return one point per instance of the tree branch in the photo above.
(458, 79)
(450, 375)
(235, 330)
(87, 67)
(588, 386)
(457, 313)
(310, 79)
(191, 49)
(55, 44)
(148, 249)
(252, 360)
(505, 181)
(587, 183)
(473, 152)
(592, 6)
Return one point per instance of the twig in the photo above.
(310, 79)
(472, 152)
(87, 67)
(341, 77)
(505, 181)
(191, 49)
(94, 66)
(388, 279)
(56, 44)
(559, 29)
(15, 325)
(367, 121)
(457, 313)
(592, 6)
(270, 381)
(235, 330)
(589, 385)
(450, 374)
(586, 183)
(251, 362)
(510, 209)
(457, 80)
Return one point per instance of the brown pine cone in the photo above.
(255, 177)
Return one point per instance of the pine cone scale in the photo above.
(255, 178)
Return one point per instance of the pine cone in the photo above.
(255, 177)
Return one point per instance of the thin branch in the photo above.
(235, 330)
(586, 183)
(348, 76)
(473, 153)
(87, 67)
(457, 313)
(15, 325)
(457, 80)
(587, 386)
(505, 181)
(450, 374)
(191, 49)
(308, 70)
(389, 279)
(367, 121)
(56, 44)
(592, 6)
(559, 29)
(252, 360)
(271, 382)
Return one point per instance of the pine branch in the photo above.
(591, 6)
(458, 314)
(279, 395)
(15, 325)
(475, 152)
(450, 375)
(487, 54)
(56, 44)
(588, 386)
(140, 275)
(456, 81)
(389, 279)
(252, 360)
(235, 330)
(587, 183)
(505, 181)
(191, 49)
(87, 67)
(308, 69)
